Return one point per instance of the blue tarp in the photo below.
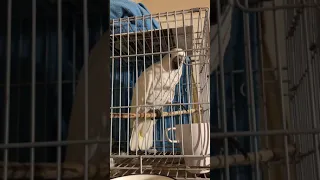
(128, 8)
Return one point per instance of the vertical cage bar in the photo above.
(222, 91)
(33, 85)
(137, 76)
(74, 64)
(120, 88)
(128, 93)
(20, 89)
(250, 90)
(262, 99)
(188, 74)
(46, 83)
(169, 49)
(8, 86)
(152, 61)
(85, 59)
(280, 81)
(291, 54)
(59, 90)
(112, 86)
(312, 93)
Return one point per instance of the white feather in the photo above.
(112, 164)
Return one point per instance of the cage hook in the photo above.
(242, 90)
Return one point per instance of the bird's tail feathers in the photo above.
(142, 127)
(146, 125)
(142, 134)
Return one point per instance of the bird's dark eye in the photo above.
(179, 60)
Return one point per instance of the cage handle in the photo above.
(167, 136)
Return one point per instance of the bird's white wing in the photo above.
(147, 124)
(173, 91)
(145, 85)
(142, 89)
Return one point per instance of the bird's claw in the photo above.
(158, 114)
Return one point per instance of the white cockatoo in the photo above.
(154, 87)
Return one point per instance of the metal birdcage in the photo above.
(138, 43)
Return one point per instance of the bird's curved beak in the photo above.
(179, 60)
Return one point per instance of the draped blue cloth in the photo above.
(128, 8)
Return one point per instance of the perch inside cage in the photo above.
(148, 115)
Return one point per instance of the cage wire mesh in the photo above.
(42, 51)
(266, 90)
(139, 43)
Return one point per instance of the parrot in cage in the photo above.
(155, 86)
